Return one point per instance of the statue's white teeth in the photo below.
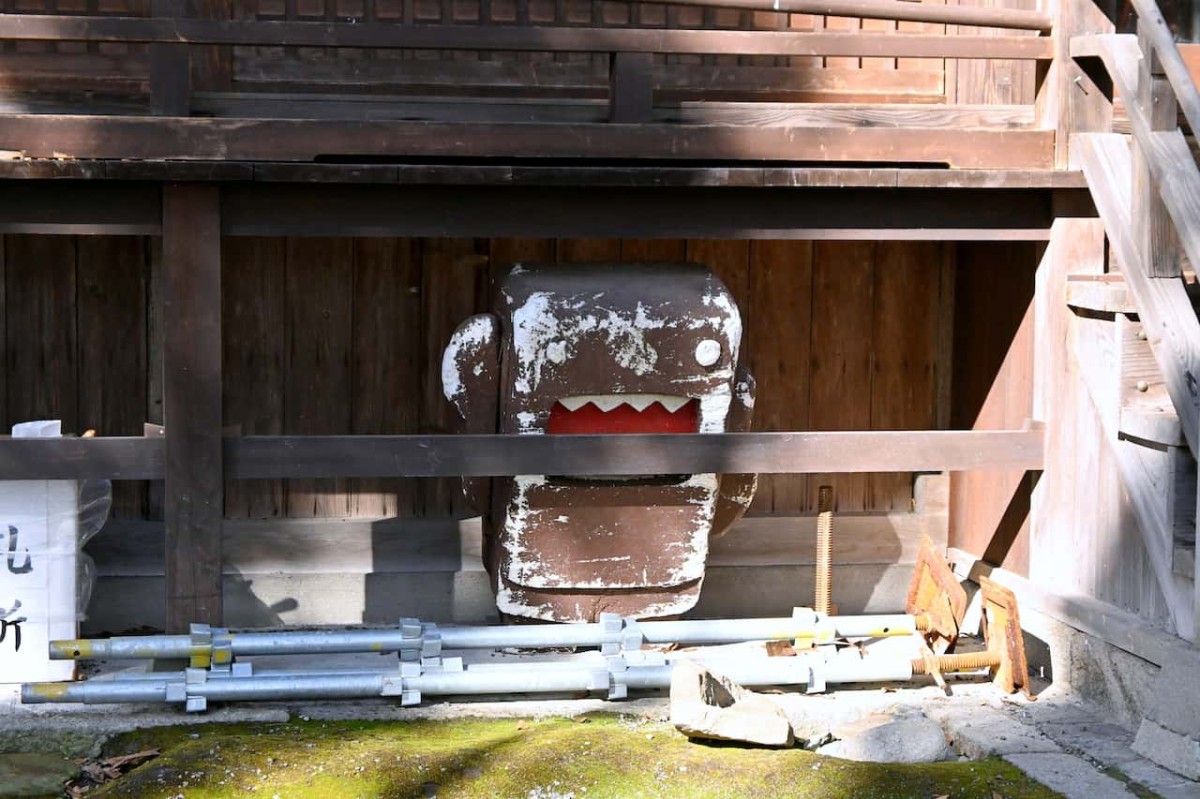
(673, 404)
(610, 402)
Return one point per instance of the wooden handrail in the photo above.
(32, 27)
(1014, 18)
(1159, 34)
(259, 457)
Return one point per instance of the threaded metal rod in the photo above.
(967, 661)
(824, 549)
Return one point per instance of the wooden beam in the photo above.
(987, 17)
(765, 453)
(1072, 99)
(80, 207)
(450, 456)
(630, 92)
(1159, 36)
(1163, 305)
(108, 458)
(615, 212)
(1151, 221)
(192, 403)
(20, 27)
(345, 107)
(170, 67)
(47, 135)
(505, 175)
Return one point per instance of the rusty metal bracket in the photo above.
(1005, 655)
(936, 599)
(1002, 630)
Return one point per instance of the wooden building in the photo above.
(960, 236)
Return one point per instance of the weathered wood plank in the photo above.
(23, 27)
(293, 105)
(630, 92)
(673, 82)
(612, 212)
(843, 326)
(778, 340)
(269, 457)
(253, 280)
(385, 361)
(1072, 99)
(1152, 223)
(580, 250)
(254, 457)
(49, 135)
(111, 337)
(41, 363)
(454, 282)
(155, 342)
(903, 382)
(317, 366)
(992, 375)
(170, 68)
(102, 458)
(1171, 324)
(1158, 34)
(85, 208)
(653, 250)
(192, 400)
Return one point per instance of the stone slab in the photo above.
(980, 732)
(1071, 776)
(904, 736)
(1108, 744)
(1165, 784)
(1167, 748)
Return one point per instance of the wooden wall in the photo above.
(345, 336)
(109, 76)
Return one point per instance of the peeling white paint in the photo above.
(546, 328)
(463, 348)
(527, 423)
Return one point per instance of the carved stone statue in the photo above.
(625, 348)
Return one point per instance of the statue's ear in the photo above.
(471, 372)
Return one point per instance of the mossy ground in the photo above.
(584, 758)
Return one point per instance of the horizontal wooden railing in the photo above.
(264, 457)
(144, 30)
(304, 126)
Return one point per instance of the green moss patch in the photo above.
(584, 758)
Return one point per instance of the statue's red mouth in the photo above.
(625, 413)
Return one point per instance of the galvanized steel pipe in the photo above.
(692, 632)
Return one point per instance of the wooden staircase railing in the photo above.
(1147, 190)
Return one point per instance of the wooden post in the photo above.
(1152, 224)
(1071, 99)
(170, 68)
(194, 506)
(631, 91)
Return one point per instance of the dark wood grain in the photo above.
(254, 316)
(767, 453)
(317, 363)
(50, 135)
(110, 297)
(192, 399)
(41, 362)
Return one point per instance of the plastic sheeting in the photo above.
(45, 580)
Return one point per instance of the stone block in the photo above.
(709, 706)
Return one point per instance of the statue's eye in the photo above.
(708, 352)
(556, 351)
